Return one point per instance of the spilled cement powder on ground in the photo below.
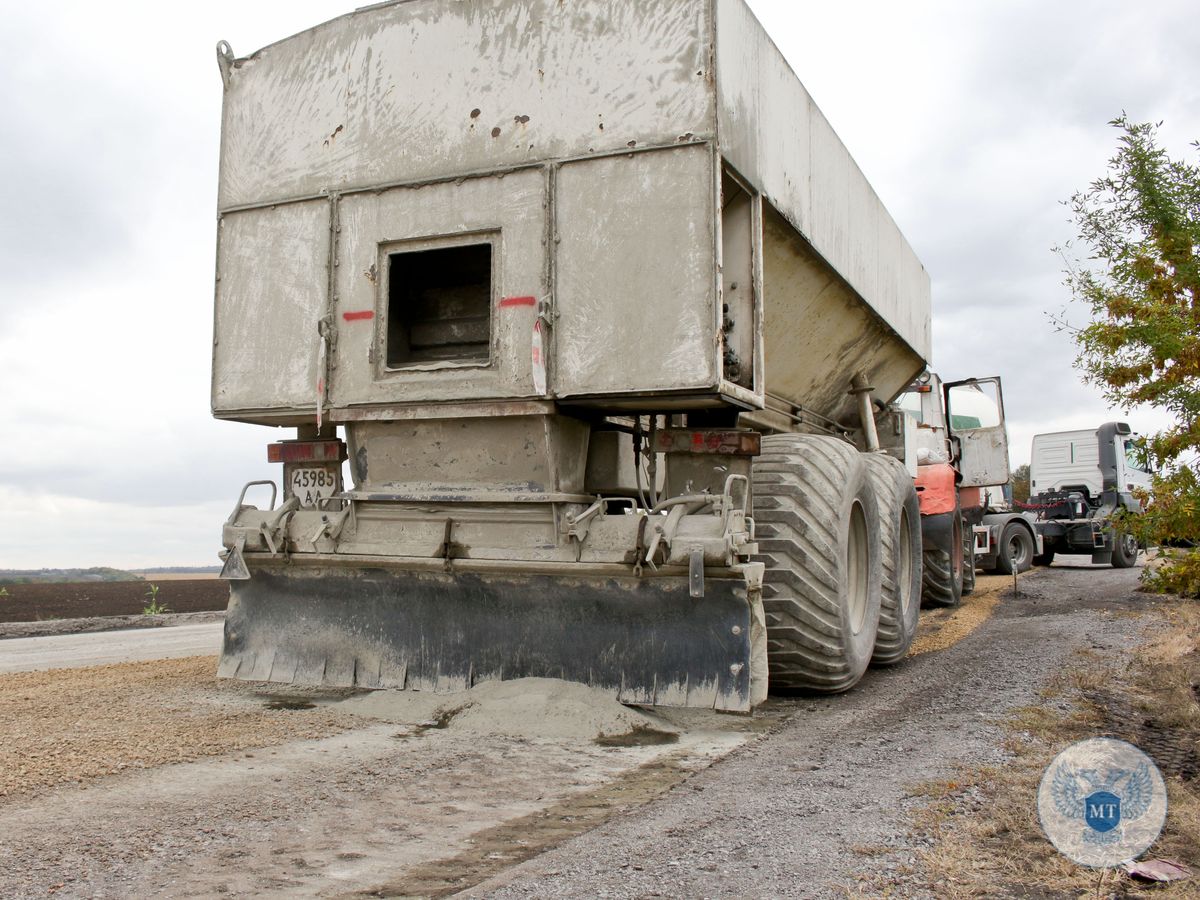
(532, 708)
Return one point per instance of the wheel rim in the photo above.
(904, 569)
(1129, 542)
(1017, 550)
(857, 559)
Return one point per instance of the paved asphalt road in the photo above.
(70, 651)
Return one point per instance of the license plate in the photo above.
(312, 484)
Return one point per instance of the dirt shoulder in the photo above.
(73, 726)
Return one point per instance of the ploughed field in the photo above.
(85, 599)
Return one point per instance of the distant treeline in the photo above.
(181, 570)
(97, 573)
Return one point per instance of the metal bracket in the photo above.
(727, 505)
(640, 547)
(445, 551)
(225, 59)
(240, 505)
(696, 573)
(331, 527)
(324, 331)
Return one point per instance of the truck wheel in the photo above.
(1016, 547)
(900, 546)
(1125, 550)
(817, 525)
(1044, 558)
(942, 570)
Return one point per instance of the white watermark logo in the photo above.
(1102, 802)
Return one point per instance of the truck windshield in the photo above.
(1133, 458)
(972, 407)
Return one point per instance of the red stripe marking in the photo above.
(518, 301)
(361, 314)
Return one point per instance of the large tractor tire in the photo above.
(1045, 558)
(968, 561)
(1016, 551)
(817, 526)
(1125, 550)
(942, 568)
(900, 555)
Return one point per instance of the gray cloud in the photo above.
(73, 156)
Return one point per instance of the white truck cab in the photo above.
(1071, 460)
(1079, 484)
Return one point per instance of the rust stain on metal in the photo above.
(334, 135)
(476, 112)
(496, 132)
(521, 120)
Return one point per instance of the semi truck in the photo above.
(1079, 483)
(604, 323)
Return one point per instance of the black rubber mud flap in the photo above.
(646, 638)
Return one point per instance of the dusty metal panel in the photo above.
(774, 135)
(829, 193)
(636, 281)
(455, 457)
(818, 333)
(271, 292)
(620, 252)
(430, 88)
(509, 213)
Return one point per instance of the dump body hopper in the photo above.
(650, 182)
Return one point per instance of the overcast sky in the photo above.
(972, 121)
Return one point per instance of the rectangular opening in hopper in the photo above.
(439, 305)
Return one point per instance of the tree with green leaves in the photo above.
(1019, 479)
(1141, 226)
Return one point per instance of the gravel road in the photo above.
(816, 807)
(807, 798)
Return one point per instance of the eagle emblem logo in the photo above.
(1101, 800)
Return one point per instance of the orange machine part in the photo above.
(935, 489)
(970, 497)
